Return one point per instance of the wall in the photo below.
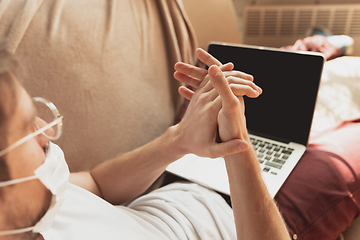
(241, 4)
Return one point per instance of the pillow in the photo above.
(339, 93)
(321, 196)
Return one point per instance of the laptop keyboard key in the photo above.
(272, 164)
(269, 152)
(287, 152)
(278, 161)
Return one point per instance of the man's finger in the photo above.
(190, 70)
(187, 80)
(238, 74)
(227, 67)
(185, 92)
(206, 57)
(241, 82)
(241, 90)
(219, 82)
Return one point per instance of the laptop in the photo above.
(279, 121)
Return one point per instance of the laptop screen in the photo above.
(290, 83)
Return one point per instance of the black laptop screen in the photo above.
(290, 83)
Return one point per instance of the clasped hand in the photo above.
(214, 124)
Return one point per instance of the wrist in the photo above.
(176, 142)
(245, 160)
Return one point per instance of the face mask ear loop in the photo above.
(16, 231)
(28, 137)
(15, 181)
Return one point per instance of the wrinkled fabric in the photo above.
(321, 197)
(177, 211)
(107, 65)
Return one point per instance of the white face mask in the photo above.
(54, 174)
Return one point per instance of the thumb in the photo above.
(230, 147)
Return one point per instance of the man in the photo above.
(214, 125)
(39, 31)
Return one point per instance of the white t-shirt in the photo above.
(176, 211)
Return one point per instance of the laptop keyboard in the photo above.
(272, 156)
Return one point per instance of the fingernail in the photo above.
(259, 89)
(242, 146)
(216, 72)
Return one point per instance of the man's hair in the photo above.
(8, 101)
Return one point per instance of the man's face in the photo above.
(23, 204)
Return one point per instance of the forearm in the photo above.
(256, 215)
(127, 176)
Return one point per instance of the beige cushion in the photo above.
(107, 65)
